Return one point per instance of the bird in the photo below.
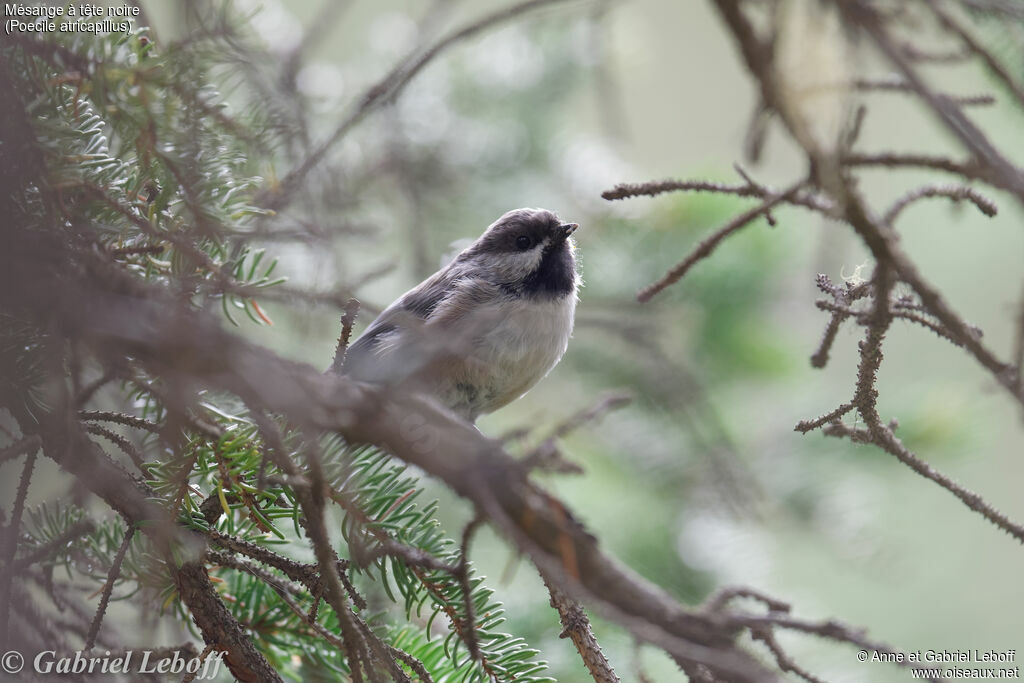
(483, 330)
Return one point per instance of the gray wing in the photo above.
(383, 353)
(421, 333)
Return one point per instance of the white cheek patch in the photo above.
(532, 258)
(514, 266)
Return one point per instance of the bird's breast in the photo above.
(525, 341)
(531, 330)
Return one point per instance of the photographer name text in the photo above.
(144, 662)
(975, 655)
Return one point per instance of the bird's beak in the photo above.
(568, 229)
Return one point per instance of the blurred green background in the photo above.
(701, 482)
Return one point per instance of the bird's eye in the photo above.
(524, 242)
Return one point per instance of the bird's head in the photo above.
(527, 252)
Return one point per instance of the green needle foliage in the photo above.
(152, 181)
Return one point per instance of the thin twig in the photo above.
(546, 454)
(306, 574)
(957, 193)
(862, 317)
(108, 587)
(933, 56)
(410, 555)
(27, 445)
(120, 418)
(576, 627)
(138, 249)
(229, 561)
(756, 186)
(124, 444)
(752, 190)
(311, 500)
(468, 630)
(10, 541)
(805, 426)
(191, 675)
(853, 130)
(347, 320)
(830, 630)
(413, 663)
(785, 662)
(719, 601)
(757, 132)
(890, 85)
(843, 297)
(964, 169)
(708, 245)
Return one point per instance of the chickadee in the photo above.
(480, 332)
